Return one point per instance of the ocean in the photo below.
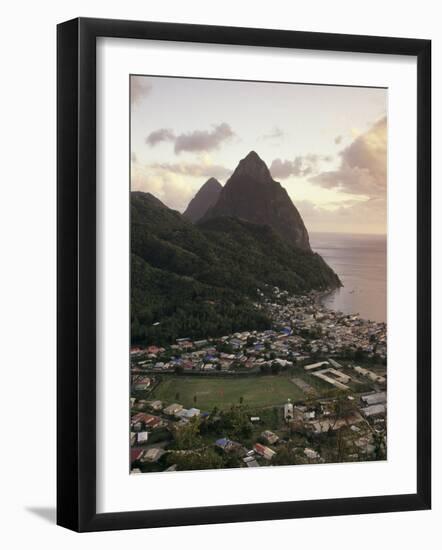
(361, 263)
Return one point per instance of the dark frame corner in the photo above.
(76, 292)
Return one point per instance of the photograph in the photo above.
(258, 274)
(227, 239)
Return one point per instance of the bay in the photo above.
(361, 263)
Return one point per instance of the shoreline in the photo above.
(323, 294)
(316, 328)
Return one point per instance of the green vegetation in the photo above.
(206, 459)
(223, 392)
(289, 454)
(187, 437)
(197, 281)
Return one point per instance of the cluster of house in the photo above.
(321, 417)
(330, 371)
(145, 424)
(333, 331)
(146, 455)
(303, 327)
(315, 418)
(260, 453)
(243, 350)
(175, 412)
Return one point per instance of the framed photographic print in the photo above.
(243, 274)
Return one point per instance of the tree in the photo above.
(241, 399)
(251, 340)
(284, 456)
(264, 369)
(224, 347)
(188, 436)
(359, 354)
(177, 396)
(206, 459)
(379, 445)
(341, 408)
(275, 367)
(341, 446)
(194, 399)
(236, 423)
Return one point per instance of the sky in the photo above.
(327, 145)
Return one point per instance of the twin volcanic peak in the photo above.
(253, 195)
(206, 197)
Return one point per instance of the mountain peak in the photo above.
(212, 183)
(253, 195)
(204, 199)
(253, 155)
(254, 167)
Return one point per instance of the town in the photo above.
(312, 389)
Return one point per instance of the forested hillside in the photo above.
(201, 280)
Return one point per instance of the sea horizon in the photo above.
(350, 234)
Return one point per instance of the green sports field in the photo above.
(222, 392)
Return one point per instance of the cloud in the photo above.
(140, 87)
(352, 216)
(276, 133)
(301, 166)
(204, 140)
(173, 183)
(170, 188)
(163, 134)
(197, 141)
(338, 140)
(202, 169)
(363, 169)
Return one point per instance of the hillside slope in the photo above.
(198, 281)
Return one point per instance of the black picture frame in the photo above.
(76, 274)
